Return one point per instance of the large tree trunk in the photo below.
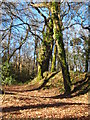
(45, 50)
(44, 58)
(48, 56)
(60, 45)
(40, 72)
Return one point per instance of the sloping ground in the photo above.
(25, 103)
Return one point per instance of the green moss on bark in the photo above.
(53, 68)
(45, 50)
(60, 45)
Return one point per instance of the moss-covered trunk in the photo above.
(53, 67)
(43, 61)
(60, 45)
(40, 73)
(45, 50)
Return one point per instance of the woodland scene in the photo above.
(44, 60)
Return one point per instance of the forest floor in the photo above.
(22, 102)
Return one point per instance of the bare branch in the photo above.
(88, 27)
(23, 41)
(40, 5)
(40, 13)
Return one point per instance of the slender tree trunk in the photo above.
(9, 43)
(60, 46)
(9, 37)
(87, 56)
(35, 56)
(19, 62)
(35, 50)
(52, 44)
(53, 68)
(41, 57)
(86, 65)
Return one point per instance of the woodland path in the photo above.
(21, 103)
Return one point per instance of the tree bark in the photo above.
(60, 45)
(9, 38)
(45, 50)
(87, 56)
(53, 68)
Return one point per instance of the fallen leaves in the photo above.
(38, 104)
